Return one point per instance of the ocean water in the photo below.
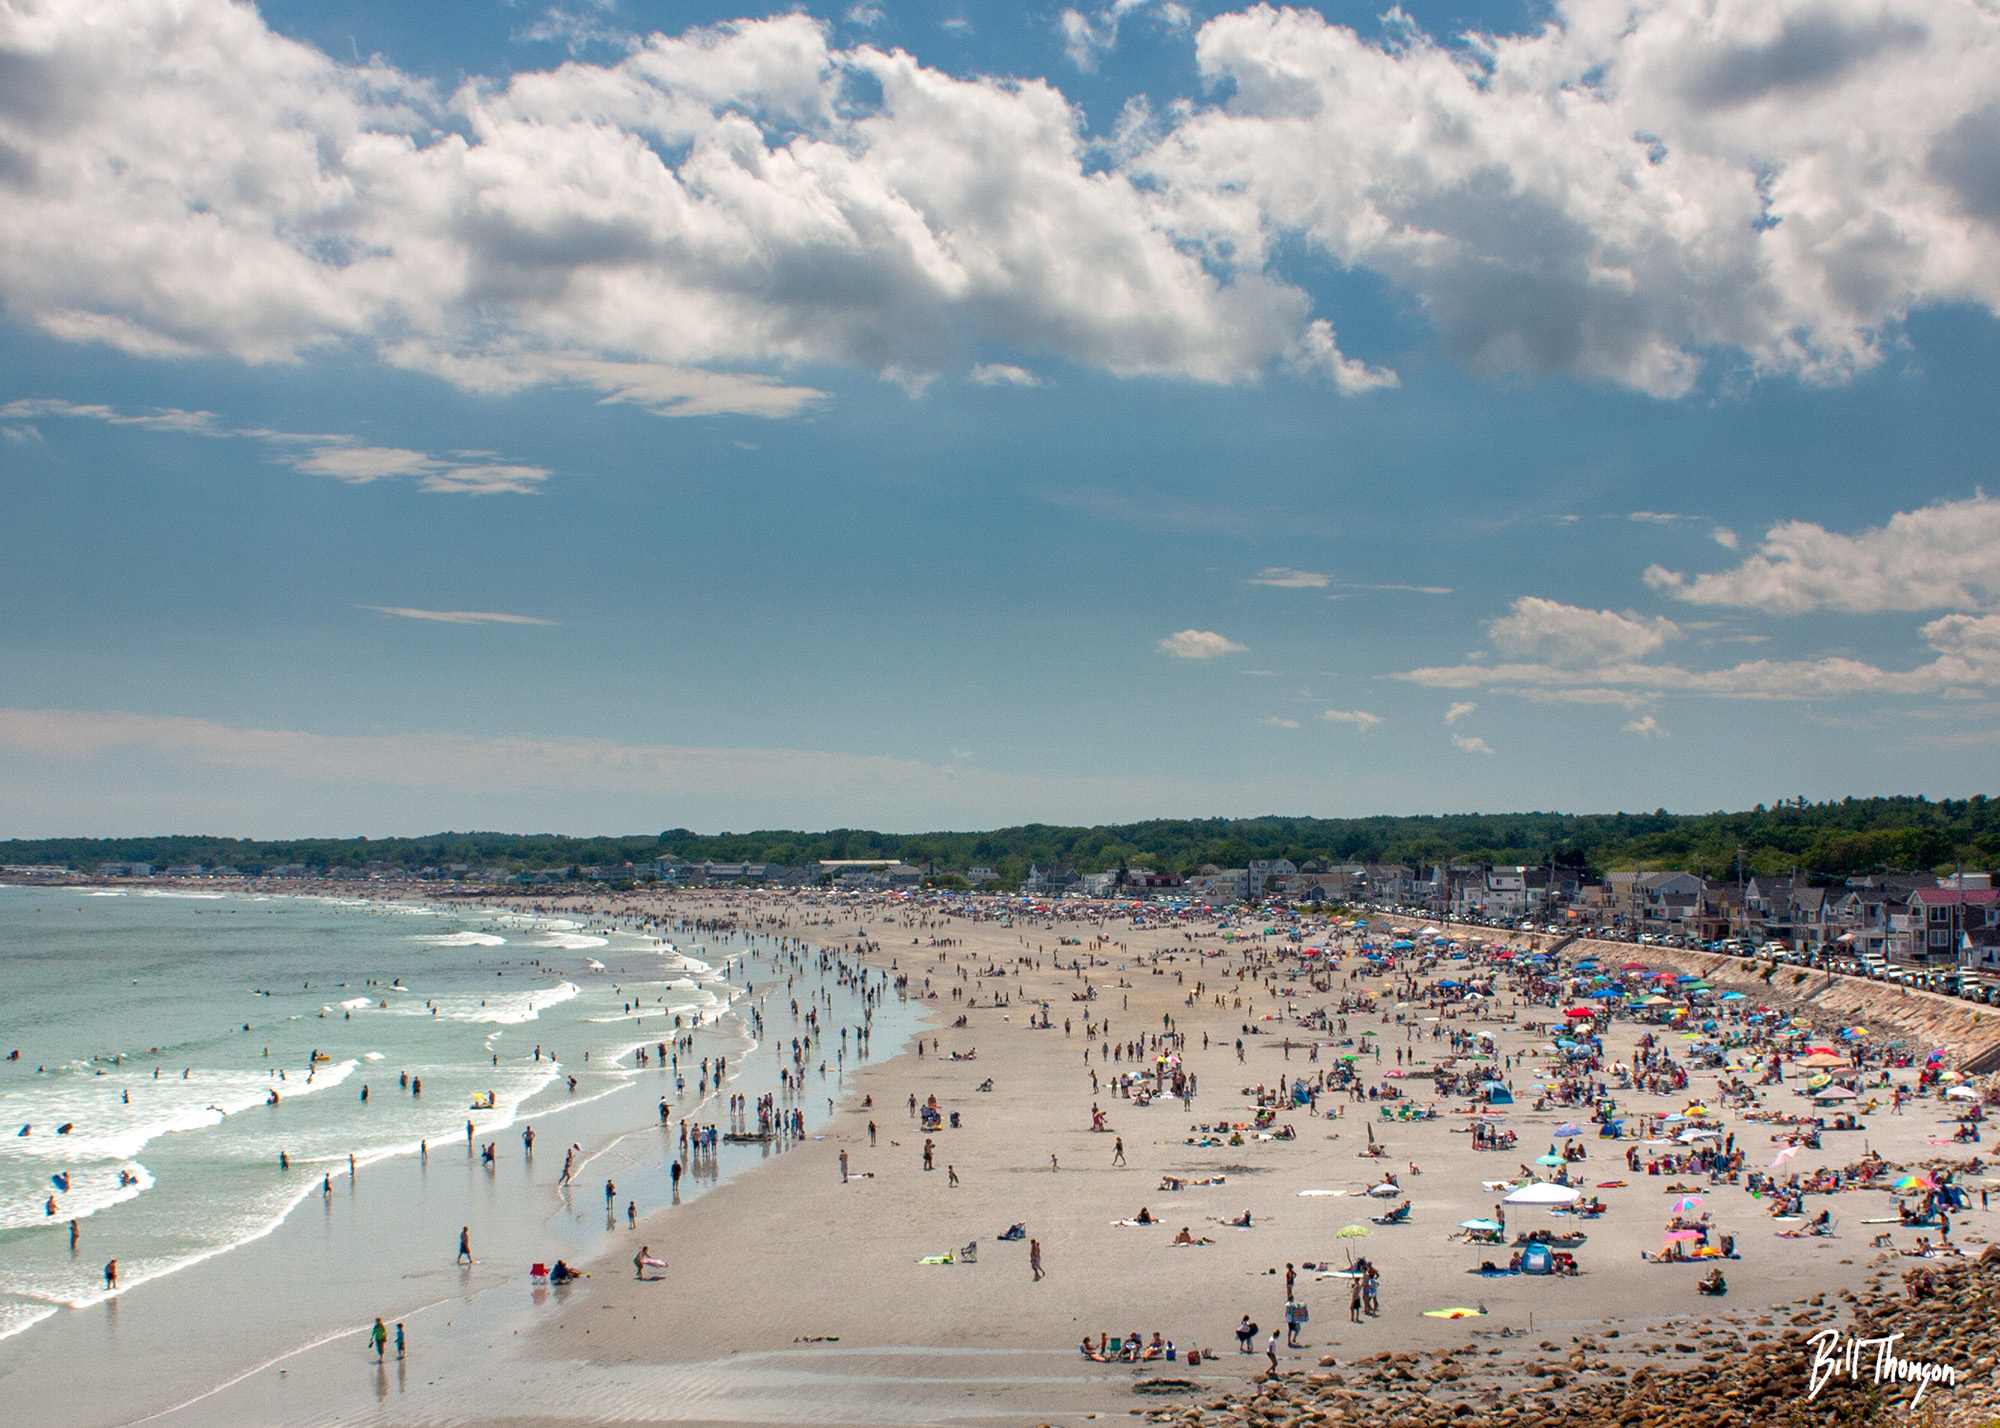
(157, 1027)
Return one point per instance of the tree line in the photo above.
(1827, 841)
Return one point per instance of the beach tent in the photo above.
(1535, 1259)
(1496, 1094)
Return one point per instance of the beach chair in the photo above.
(539, 1273)
(970, 1254)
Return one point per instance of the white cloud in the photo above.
(866, 16)
(1967, 649)
(1287, 579)
(1646, 728)
(1470, 746)
(1087, 38)
(1624, 698)
(1725, 537)
(467, 473)
(997, 374)
(1361, 719)
(1458, 711)
(458, 617)
(1567, 634)
(1940, 557)
(359, 465)
(1615, 196)
(1277, 722)
(1198, 644)
(1317, 352)
(1658, 518)
(1622, 190)
(187, 181)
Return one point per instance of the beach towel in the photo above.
(936, 1259)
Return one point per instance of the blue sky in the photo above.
(631, 416)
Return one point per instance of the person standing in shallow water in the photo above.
(465, 1244)
(379, 1337)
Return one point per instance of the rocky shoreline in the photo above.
(1739, 1368)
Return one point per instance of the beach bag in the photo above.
(1297, 1314)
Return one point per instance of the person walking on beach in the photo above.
(528, 1140)
(951, 1177)
(610, 1194)
(929, 1151)
(631, 1214)
(465, 1244)
(1035, 1260)
(399, 1341)
(1271, 1352)
(73, 1233)
(843, 1167)
(379, 1337)
(111, 1274)
(871, 1133)
(1118, 1150)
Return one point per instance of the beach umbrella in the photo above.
(1962, 1093)
(1567, 1129)
(1542, 1192)
(1550, 1160)
(1454, 1313)
(1833, 1093)
(1579, 1012)
(1690, 1137)
(1633, 967)
(1681, 1236)
(1914, 1182)
(1479, 1224)
(1685, 1203)
(1784, 1155)
(1352, 1232)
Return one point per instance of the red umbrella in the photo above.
(1580, 1011)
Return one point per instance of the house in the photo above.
(1264, 872)
(1939, 919)
(184, 870)
(1219, 885)
(980, 877)
(1050, 882)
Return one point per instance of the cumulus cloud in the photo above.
(1361, 719)
(1940, 557)
(1199, 644)
(1966, 649)
(1002, 374)
(183, 180)
(458, 617)
(1616, 195)
(1087, 38)
(1458, 711)
(343, 458)
(1622, 190)
(1646, 728)
(1286, 578)
(1567, 634)
(1469, 745)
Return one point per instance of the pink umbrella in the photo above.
(1678, 1236)
(1786, 1154)
(1687, 1202)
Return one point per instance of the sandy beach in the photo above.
(792, 1294)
